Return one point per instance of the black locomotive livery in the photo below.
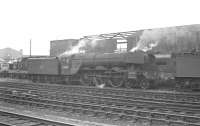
(129, 69)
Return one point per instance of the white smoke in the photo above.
(79, 48)
(144, 45)
(151, 38)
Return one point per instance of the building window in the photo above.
(121, 45)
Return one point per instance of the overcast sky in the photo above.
(45, 20)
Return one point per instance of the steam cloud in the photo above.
(80, 47)
(166, 37)
(148, 40)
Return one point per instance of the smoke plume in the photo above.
(80, 47)
(173, 39)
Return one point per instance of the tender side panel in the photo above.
(188, 66)
(48, 66)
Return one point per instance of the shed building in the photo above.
(57, 47)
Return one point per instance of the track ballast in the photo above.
(115, 107)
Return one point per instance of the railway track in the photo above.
(69, 96)
(117, 93)
(13, 119)
(112, 104)
(106, 112)
(124, 113)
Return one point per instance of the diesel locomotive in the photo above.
(129, 69)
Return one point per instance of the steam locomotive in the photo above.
(130, 70)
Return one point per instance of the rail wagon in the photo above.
(188, 70)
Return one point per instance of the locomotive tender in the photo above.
(129, 69)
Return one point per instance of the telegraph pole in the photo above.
(30, 47)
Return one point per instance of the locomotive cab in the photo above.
(69, 65)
